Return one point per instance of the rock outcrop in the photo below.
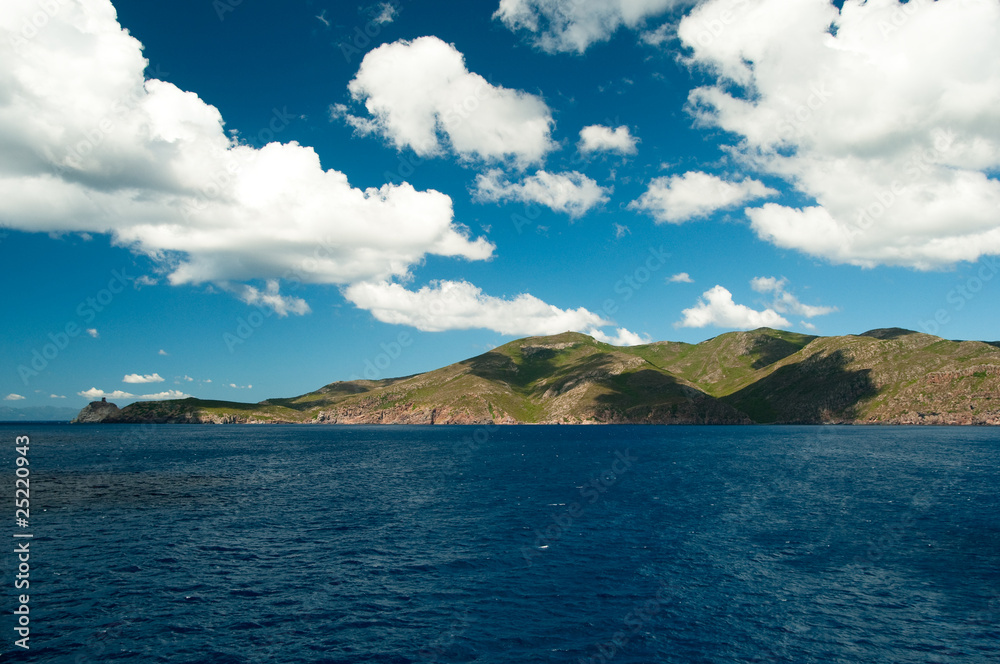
(96, 412)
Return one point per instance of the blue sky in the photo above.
(240, 200)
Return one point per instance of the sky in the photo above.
(241, 200)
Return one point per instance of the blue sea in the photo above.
(233, 544)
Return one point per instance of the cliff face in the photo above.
(888, 376)
(96, 412)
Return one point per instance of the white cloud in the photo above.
(784, 302)
(681, 278)
(421, 96)
(387, 14)
(459, 305)
(151, 165)
(887, 115)
(93, 332)
(716, 307)
(95, 394)
(145, 280)
(572, 192)
(163, 352)
(240, 387)
(138, 378)
(679, 198)
(621, 231)
(162, 396)
(272, 299)
(573, 25)
(598, 138)
(13, 397)
(621, 337)
(57, 396)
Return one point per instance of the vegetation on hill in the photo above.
(763, 376)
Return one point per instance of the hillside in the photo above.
(763, 376)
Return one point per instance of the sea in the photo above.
(437, 544)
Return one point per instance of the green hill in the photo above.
(763, 376)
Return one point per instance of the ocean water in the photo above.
(235, 544)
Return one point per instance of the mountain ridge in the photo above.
(885, 375)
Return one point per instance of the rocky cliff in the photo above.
(97, 411)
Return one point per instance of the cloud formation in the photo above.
(573, 25)
(598, 138)
(716, 308)
(95, 394)
(139, 378)
(783, 301)
(13, 397)
(459, 305)
(151, 165)
(572, 193)
(679, 198)
(886, 114)
(420, 95)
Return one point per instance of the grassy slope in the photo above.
(769, 375)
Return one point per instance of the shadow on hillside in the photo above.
(769, 350)
(537, 365)
(887, 333)
(818, 389)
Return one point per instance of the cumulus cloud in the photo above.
(163, 352)
(886, 114)
(13, 397)
(621, 337)
(573, 25)
(572, 193)
(681, 278)
(679, 198)
(94, 394)
(151, 165)
(162, 396)
(92, 331)
(139, 378)
(785, 302)
(421, 96)
(715, 307)
(459, 305)
(598, 138)
(272, 299)
(57, 396)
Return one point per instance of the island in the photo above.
(764, 376)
